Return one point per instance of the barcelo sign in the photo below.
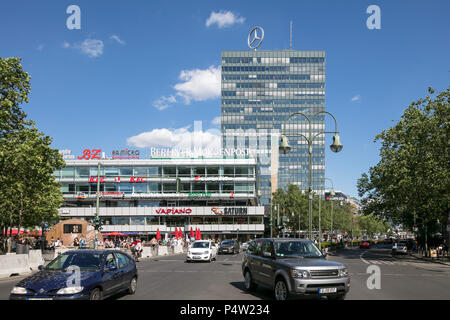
(255, 37)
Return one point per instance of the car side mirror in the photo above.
(324, 253)
(41, 267)
(267, 254)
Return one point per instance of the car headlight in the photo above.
(300, 274)
(19, 290)
(206, 252)
(70, 290)
(343, 272)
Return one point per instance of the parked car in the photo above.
(202, 250)
(293, 267)
(400, 247)
(364, 245)
(103, 273)
(229, 246)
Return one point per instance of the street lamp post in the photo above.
(97, 208)
(331, 199)
(285, 148)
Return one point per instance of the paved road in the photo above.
(170, 277)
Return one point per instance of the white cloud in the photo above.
(91, 47)
(40, 47)
(223, 19)
(66, 44)
(164, 102)
(176, 138)
(216, 121)
(116, 38)
(356, 98)
(199, 85)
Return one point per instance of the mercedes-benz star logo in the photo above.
(253, 37)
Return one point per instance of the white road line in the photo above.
(361, 257)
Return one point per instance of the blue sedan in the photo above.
(80, 274)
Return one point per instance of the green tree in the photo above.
(410, 183)
(29, 194)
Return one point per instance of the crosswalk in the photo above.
(386, 262)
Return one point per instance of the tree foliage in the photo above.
(411, 182)
(29, 194)
(293, 205)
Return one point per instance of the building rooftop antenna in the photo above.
(291, 37)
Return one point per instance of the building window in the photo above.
(228, 171)
(212, 171)
(256, 220)
(137, 221)
(198, 187)
(151, 220)
(126, 172)
(196, 220)
(169, 187)
(140, 172)
(241, 220)
(199, 171)
(148, 203)
(120, 221)
(67, 173)
(211, 220)
(154, 171)
(140, 188)
(184, 171)
(227, 220)
(170, 171)
(82, 172)
(126, 187)
(213, 187)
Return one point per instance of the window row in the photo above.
(180, 221)
(196, 187)
(274, 101)
(279, 85)
(86, 172)
(266, 77)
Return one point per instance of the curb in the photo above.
(430, 260)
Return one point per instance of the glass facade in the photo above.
(260, 89)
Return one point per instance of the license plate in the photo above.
(327, 290)
(39, 299)
(197, 257)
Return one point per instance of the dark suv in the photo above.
(229, 246)
(293, 267)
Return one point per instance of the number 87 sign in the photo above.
(90, 155)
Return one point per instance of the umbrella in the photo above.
(180, 233)
(176, 233)
(199, 235)
(192, 233)
(113, 234)
(158, 235)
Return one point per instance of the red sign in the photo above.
(90, 155)
(173, 211)
(117, 179)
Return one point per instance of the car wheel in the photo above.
(96, 294)
(281, 291)
(133, 286)
(248, 281)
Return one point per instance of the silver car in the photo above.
(293, 267)
(400, 247)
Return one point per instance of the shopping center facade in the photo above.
(140, 196)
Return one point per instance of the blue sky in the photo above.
(98, 86)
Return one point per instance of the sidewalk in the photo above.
(440, 260)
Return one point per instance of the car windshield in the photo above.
(200, 245)
(228, 243)
(85, 261)
(305, 249)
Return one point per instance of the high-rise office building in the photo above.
(260, 89)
